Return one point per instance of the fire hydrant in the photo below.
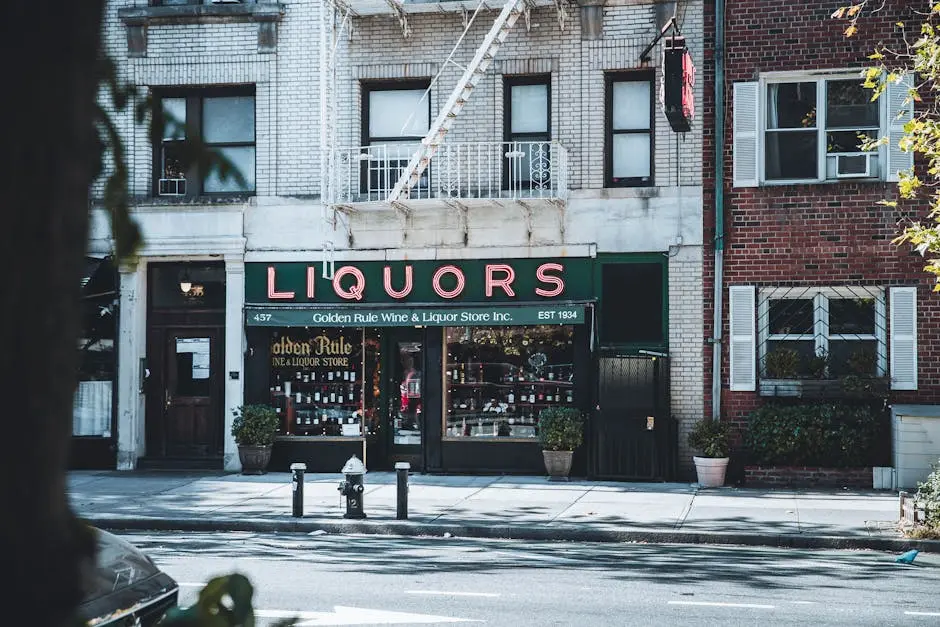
(352, 487)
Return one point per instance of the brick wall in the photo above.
(807, 477)
(825, 234)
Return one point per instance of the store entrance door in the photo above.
(405, 401)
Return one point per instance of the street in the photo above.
(375, 580)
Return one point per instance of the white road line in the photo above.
(186, 584)
(453, 593)
(721, 604)
(804, 602)
(922, 613)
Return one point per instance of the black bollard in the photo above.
(297, 485)
(402, 468)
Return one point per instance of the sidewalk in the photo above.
(496, 507)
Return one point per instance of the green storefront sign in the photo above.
(419, 293)
(554, 313)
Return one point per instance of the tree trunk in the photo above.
(51, 154)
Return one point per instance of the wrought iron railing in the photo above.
(473, 170)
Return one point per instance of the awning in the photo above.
(430, 315)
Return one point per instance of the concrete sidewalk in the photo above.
(497, 507)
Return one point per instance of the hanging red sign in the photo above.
(676, 94)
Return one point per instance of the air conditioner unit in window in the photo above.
(172, 187)
(853, 165)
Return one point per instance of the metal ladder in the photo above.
(458, 98)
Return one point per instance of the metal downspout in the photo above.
(719, 204)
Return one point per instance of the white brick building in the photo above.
(580, 205)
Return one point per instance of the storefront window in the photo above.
(317, 383)
(498, 379)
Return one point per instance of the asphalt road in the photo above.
(381, 580)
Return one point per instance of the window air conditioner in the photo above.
(172, 187)
(853, 165)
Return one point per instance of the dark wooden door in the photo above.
(192, 419)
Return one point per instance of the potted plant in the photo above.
(561, 430)
(254, 428)
(711, 439)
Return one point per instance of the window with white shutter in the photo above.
(900, 111)
(742, 339)
(746, 125)
(903, 338)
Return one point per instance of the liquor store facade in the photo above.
(443, 364)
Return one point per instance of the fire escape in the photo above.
(459, 175)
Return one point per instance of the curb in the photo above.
(509, 532)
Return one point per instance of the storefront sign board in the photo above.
(549, 313)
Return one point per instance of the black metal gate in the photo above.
(633, 435)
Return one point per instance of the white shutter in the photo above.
(742, 337)
(899, 113)
(746, 134)
(903, 338)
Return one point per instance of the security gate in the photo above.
(633, 436)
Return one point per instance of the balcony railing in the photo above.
(459, 171)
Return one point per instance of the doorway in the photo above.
(405, 396)
(192, 422)
(185, 388)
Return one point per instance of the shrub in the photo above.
(928, 493)
(560, 429)
(711, 438)
(837, 436)
(255, 425)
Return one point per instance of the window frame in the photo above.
(520, 80)
(195, 97)
(822, 93)
(821, 336)
(610, 78)
(366, 140)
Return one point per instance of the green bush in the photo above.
(255, 425)
(928, 493)
(560, 429)
(711, 438)
(837, 436)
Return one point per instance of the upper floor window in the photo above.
(809, 129)
(224, 121)
(528, 130)
(629, 123)
(396, 117)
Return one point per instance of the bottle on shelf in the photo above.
(570, 396)
(316, 396)
(463, 374)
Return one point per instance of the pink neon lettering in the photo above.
(355, 290)
(436, 282)
(273, 294)
(391, 291)
(505, 283)
(541, 275)
(311, 281)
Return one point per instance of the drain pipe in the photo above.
(719, 203)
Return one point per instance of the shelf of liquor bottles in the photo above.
(502, 400)
(318, 402)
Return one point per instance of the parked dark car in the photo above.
(126, 588)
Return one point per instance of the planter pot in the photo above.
(711, 471)
(254, 459)
(557, 464)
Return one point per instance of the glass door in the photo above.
(405, 364)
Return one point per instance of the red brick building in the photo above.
(812, 287)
